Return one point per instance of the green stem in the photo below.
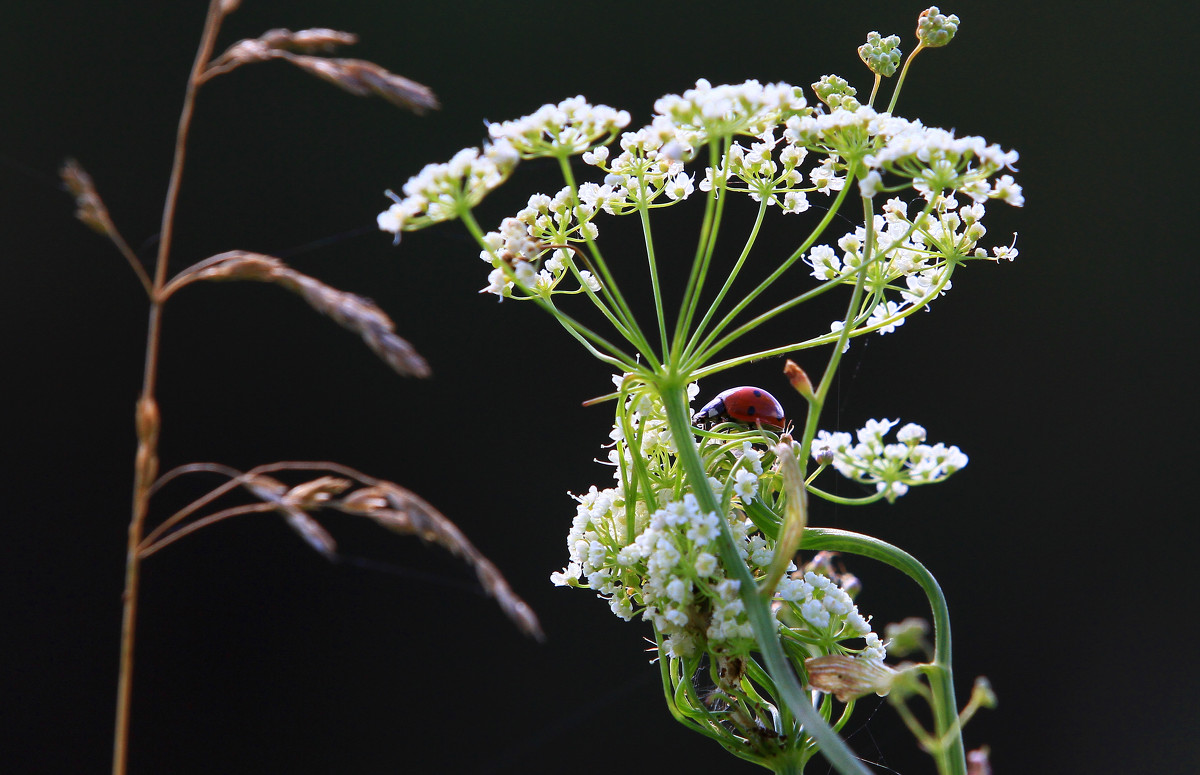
(817, 402)
(707, 349)
(672, 389)
(644, 215)
(737, 268)
(714, 206)
(903, 74)
(950, 755)
(618, 358)
(608, 287)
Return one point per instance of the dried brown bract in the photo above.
(848, 678)
(356, 313)
(357, 76)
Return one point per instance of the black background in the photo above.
(1066, 377)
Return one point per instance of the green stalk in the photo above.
(733, 273)
(817, 402)
(672, 389)
(619, 359)
(950, 755)
(608, 283)
(903, 74)
(706, 349)
(644, 215)
(713, 207)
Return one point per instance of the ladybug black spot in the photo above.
(750, 410)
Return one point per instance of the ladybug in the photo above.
(743, 404)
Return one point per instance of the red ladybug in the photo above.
(743, 404)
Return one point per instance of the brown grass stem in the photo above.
(150, 547)
(147, 419)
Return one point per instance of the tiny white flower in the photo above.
(746, 485)
(564, 578)
(676, 617)
(870, 184)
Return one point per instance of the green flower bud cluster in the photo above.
(934, 29)
(881, 55)
(836, 92)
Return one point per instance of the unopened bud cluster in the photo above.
(880, 54)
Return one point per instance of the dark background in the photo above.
(1067, 377)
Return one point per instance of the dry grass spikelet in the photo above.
(357, 76)
(349, 310)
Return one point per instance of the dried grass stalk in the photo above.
(90, 209)
(357, 76)
(351, 311)
(406, 512)
(363, 78)
(384, 502)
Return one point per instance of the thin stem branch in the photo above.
(147, 419)
(733, 273)
(150, 547)
(706, 349)
(950, 755)
(714, 205)
(123, 248)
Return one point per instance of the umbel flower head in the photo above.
(891, 467)
(568, 128)
(442, 192)
(662, 563)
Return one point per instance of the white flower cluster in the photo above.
(933, 159)
(669, 570)
(937, 161)
(570, 127)
(520, 242)
(441, 192)
(829, 614)
(775, 180)
(649, 167)
(891, 467)
(911, 267)
(748, 108)
(662, 562)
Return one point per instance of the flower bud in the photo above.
(799, 379)
(881, 55)
(907, 637)
(836, 92)
(934, 29)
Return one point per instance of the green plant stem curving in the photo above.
(950, 754)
